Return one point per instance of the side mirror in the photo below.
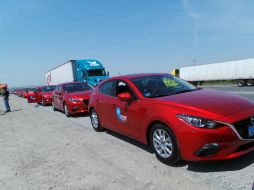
(125, 96)
(58, 92)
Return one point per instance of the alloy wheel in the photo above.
(162, 143)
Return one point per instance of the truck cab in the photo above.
(90, 71)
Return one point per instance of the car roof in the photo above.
(138, 75)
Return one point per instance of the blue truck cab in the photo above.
(89, 70)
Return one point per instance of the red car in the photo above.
(42, 96)
(178, 120)
(72, 98)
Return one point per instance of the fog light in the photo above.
(75, 108)
(208, 149)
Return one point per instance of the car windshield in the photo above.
(97, 72)
(162, 85)
(48, 88)
(75, 87)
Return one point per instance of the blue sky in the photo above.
(127, 36)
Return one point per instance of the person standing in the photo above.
(6, 99)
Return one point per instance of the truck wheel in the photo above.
(164, 144)
(250, 82)
(241, 83)
(95, 121)
(66, 112)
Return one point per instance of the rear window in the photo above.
(107, 88)
(48, 88)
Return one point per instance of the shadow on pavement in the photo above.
(130, 140)
(212, 166)
(225, 165)
(16, 110)
(4, 113)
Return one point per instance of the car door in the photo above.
(39, 95)
(128, 114)
(60, 97)
(55, 96)
(106, 101)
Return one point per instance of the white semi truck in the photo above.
(241, 71)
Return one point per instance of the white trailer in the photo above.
(61, 74)
(240, 70)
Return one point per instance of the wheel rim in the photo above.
(66, 110)
(162, 143)
(94, 119)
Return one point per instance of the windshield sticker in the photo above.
(121, 118)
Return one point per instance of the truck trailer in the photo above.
(88, 70)
(241, 71)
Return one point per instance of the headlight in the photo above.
(198, 121)
(74, 100)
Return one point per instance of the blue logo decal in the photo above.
(121, 118)
(118, 113)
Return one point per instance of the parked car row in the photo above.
(178, 120)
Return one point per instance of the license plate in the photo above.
(251, 131)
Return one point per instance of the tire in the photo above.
(250, 82)
(241, 83)
(53, 106)
(164, 144)
(66, 112)
(95, 121)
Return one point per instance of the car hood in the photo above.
(80, 95)
(215, 102)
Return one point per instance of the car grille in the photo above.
(242, 128)
(86, 102)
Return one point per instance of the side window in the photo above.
(107, 88)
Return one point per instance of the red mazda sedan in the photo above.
(42, 96)
(178, 120)
(72, 98)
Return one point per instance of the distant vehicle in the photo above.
(87, 70)
(241, 71)
(178, 120)
(43, 96)
(72, 98)
(27, 91)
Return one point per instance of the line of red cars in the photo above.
(71, 98)
(178, 120)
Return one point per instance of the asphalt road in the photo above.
(42, 149)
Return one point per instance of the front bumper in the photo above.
(78, 107)
(47, 100)
(225, 142)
